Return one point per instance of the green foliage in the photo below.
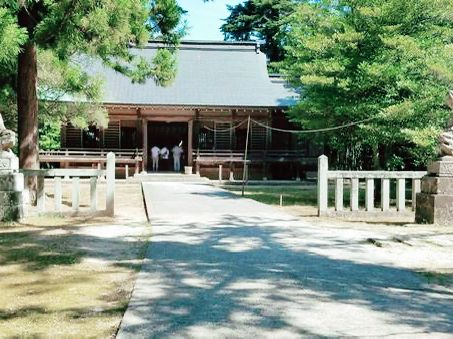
(7, 106)
(64, 30)
(395, 163)
(166, 16)
(164, 70)
(59, 80)
(11, 38)
(356, 59)
(49, 135)
(260, 20)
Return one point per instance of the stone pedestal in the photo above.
(11, 188)
(434, 205)
(8, 162)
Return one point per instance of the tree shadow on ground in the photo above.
(47, 270)
(260, 276)
(39, 247)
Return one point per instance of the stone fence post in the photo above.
(434, 203)
(323, 182)
(110, 184)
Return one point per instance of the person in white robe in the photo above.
(177, 152)
(155, 151)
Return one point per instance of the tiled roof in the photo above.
(209, 74)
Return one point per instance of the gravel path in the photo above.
(224, 267)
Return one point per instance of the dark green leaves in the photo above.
(63, 30)
(260, 20)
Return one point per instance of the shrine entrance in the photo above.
(167, 134)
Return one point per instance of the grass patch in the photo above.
(304, 195)
(60, 278)
(292, 195)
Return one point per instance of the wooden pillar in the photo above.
(269, 136)
(145, 144)
(101, 137)
(139, 129)
(189, 143)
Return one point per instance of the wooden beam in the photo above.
(189, 143)
(145, 143)
(168, 118)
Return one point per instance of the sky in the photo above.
(205, 18)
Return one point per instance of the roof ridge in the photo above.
(208, 44)
(211, 42)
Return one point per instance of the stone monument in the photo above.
(11, 181)
(434, 204)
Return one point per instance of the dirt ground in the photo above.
(71, 276)
(221, 266)
(425, 248)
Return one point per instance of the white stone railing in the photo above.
(75, 175)
(369, 177)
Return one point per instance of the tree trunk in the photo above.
(27, 115)
(27, 107)
(376, 167)
(27, 99)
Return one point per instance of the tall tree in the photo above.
(70, 28)
(261, 20)
(390, 60)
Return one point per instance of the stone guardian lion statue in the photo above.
(7, 138)
(446, 138)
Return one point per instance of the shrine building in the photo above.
(218, 86)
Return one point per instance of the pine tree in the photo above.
(260, 20)
(68, 28)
